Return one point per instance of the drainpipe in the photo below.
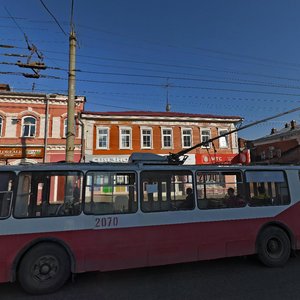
(82, 137)
(46, 129)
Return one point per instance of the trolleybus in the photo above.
(63, 218)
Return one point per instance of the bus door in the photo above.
(111, 200)
(167, 200)
(47, 194)
(6, 190)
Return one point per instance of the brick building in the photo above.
(280, 146)
(33, 127)
(113, 136)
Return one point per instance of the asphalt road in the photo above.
(234, 278)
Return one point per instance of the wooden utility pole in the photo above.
(71, 97)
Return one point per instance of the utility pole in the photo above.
(70, 137)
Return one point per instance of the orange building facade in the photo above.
(113, 136)
(33, 127)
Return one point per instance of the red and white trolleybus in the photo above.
(58, 219)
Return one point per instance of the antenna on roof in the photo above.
(180, 157)
(168, 105)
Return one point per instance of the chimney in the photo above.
(273, 130)
(168, 107)
(293, 124)
(4, 87)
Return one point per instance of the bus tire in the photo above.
(273, 247)
(44, 269)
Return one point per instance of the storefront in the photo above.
(17, 155)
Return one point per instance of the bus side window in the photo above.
(44, 194)
(23, 194)
(6, 186)
(167, 191)
(220, 189)
(267, 188)
(110, 193)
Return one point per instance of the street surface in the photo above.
(233, 278)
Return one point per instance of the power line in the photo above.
(289, 65)
(12, 18)
(162, 85)
(40, 76)
(51, 14)
(46, 67)
(203, 68)
(246, 82)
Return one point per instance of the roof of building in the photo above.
(289, 131)
(160, 114)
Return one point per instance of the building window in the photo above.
(146, 140)
(66, 127)
(205, 136)
(223, 141)
(125, 138)
(102, 138)
(186, 137)
(29, 127)
(1, 125)
(167, 138)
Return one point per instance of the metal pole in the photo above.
(71, 100)
(46, 129)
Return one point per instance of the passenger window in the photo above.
(167, 190)
(45, 194)
(110, 193)
(267, 188)
(220, 190)
(6, 187)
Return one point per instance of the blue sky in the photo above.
(218, 57)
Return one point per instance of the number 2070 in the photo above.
(106, 222)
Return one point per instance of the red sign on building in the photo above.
(208, 159)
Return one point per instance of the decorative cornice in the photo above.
(38, 99)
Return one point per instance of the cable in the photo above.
(190, 79)
(56, 21)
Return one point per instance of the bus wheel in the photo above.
(273, 247)
(44, 269)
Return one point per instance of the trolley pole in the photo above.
(70, 138)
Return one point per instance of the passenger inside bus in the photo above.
(233, 200)
(189, 200)
(261, 198)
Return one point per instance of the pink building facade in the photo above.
(33, 127)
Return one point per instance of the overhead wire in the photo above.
(177, 86)
(52, 15)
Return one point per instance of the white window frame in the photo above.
(190, 135)
(121, 146)
(65, 129)
(223, 139)
(209, 137)
(162, 137)
(1, 125)
(30, 126)
(146, 135)
(98, 136)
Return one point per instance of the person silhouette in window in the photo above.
(189, 200)
(233, 200)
